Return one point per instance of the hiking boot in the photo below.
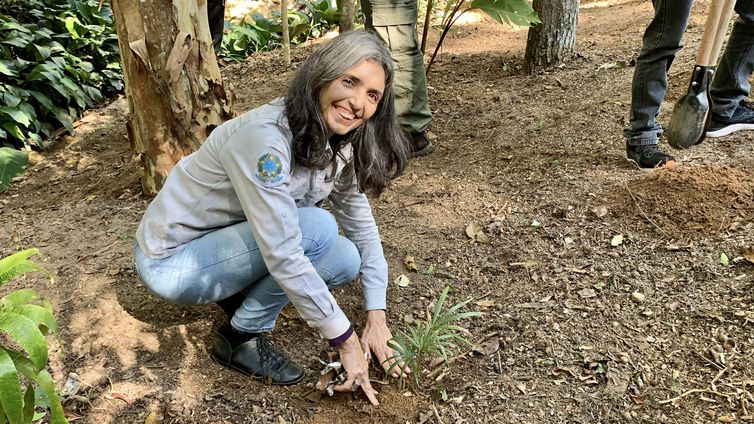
(648, 156)
(253, 355)
(420, 145)
(742, 119)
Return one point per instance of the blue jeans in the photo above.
(228, 261)
(662, 40)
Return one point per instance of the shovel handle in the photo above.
(715, 29)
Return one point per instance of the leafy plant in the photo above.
(12, 163)
(22, 366)
(258, 33)
(511, 12)
(437, 336)
(57, 58)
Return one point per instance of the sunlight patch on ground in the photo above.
(235, 10)
(604, 3)
(106, 329)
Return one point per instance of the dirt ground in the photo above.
(602, 286)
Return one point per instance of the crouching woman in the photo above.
(239, 222)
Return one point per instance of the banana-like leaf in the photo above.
(45, 382)
(25, 332)
(19, 263)
(29, 404)
(10, 389)
(12, 164)
(511, 12)
(39, 314)
(18, 297)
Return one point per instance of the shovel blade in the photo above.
(689, 121)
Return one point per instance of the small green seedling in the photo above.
(439, 336)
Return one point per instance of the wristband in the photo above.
(342, 338)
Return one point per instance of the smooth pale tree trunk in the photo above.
(176, 95)
(286, 34)
(347, 10)
(552, 41)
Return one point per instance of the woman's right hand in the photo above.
(355, 363)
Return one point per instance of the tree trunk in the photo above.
(176, 95)
(552, 41)
(347, 10)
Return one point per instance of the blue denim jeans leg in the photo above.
(662, 39)
(730, 83)
(228, 261)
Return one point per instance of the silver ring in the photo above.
(355, 386)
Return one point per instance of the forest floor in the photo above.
(537, 162)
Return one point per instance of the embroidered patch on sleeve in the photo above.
(269, 171)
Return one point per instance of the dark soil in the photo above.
(536, 161)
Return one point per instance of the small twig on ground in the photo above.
(437, 414)
(484, 295)
(691, 392)
(707, 360)
(717, 377)
(644, 214)
(104, 249)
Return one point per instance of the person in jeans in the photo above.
(239, 222)
(395, 22)
(729, 89)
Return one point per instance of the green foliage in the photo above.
(57, 58)
(436, 337)
(511, 12)
(25, 320)
(12, 164)
(257, 33)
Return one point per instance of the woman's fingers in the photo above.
(351, 385)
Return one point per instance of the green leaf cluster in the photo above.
(25, 320)
(439, 336)
(12, 163)
(57, 58)
(257, 33)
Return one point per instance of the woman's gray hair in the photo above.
(379, 145)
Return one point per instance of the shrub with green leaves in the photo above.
(57, 58)
(257, 33)
(439, 336)
(24, 321)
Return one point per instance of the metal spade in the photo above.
(690, 119)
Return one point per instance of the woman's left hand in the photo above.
(374, 342)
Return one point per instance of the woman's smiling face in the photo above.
(350, 100)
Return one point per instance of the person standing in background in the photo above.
(395, 22)
(216, 18)
(729, 88)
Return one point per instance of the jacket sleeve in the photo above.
(258, 166)
(352, 211)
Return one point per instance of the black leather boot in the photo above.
(254, 356)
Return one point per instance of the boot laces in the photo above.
(271, 358)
